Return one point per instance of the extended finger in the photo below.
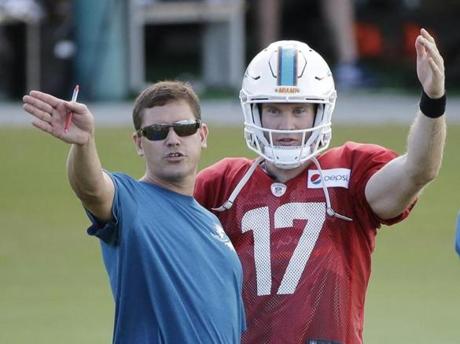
(76, 107)
(37, 112)
(428, 44)
(431, 49)
(419, 46)
(46, 98)
(37, 103)
(433, 52)
(427, 35)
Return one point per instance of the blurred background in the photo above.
(113, 48)
(53, 286)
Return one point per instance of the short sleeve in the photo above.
(109, 232)
(214, 184)
(367, 159)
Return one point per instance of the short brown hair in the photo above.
(161, 93)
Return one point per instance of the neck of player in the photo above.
(283, 175)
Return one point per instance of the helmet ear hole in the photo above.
(257, 113)
(319, 114)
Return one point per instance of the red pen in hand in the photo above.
(68, 119)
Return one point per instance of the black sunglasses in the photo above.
(157, 132)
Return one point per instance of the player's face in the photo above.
(288, 116)
(175, 157)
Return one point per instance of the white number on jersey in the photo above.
(258, 220)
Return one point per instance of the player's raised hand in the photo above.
(50, 116)
(430, 65)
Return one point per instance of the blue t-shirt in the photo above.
(174, 274)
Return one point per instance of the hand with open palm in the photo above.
(50, 116)
(430, 65)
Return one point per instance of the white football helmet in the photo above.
(288, 72)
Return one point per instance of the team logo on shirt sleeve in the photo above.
(335, 177)
(220, 235)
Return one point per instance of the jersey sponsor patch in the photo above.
(335, 177)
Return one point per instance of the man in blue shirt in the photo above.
(174, 274)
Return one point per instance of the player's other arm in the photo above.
(397, 184)
(94, 188)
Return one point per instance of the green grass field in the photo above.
(53, 287)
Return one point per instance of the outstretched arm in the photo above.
(397, 184)
(94, 188)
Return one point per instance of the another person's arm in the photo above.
(91, 184)
(397, 184)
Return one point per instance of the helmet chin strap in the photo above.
(231, 200)
(329, 210)
(229, 203)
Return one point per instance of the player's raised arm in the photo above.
(397, 184)
(94, 188)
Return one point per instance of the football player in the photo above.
(303, 218)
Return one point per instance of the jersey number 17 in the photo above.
(258, 221)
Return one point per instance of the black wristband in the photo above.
(432, 108)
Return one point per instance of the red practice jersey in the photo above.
(305, 272)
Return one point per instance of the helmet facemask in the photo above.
(309, 81)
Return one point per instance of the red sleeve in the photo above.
(367, 159)
(209, 184)
(215, 183)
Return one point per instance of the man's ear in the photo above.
(138, 143)
(204, 131)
